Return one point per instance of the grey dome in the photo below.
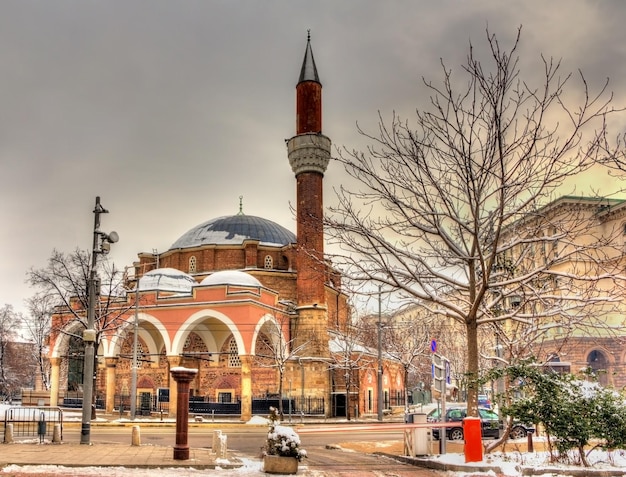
(167, 279)
(233, 230)
(231, 277)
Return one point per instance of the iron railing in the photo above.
(34, 421)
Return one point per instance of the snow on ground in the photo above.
(254, 468)
(509, 463)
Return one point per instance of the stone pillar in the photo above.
(246, 387)
(111, 364)
(182, 376)
(55, 372)
(173, 362)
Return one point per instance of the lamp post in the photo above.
(379, 385)
(101, 244)
(134, 365)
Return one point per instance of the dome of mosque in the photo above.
(167, 279)
(231, 277)
(233, 230)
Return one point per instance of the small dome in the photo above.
(167, 279)
(231, 277)
(233, 230)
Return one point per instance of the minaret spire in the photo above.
(308, 72)
(308, 94)
(309, 155)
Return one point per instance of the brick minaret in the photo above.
(309, 154)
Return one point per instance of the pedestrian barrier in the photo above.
(39, 421)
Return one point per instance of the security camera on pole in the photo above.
(101, 245)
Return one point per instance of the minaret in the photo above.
(309, 154)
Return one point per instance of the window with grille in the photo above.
(140, 358)
(224, 397)
(192, 264)
(233, 358)
(269, 262)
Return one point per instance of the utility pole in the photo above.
(101, 244)
(379, 407)
(134, 365)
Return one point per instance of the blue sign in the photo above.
(433, 346)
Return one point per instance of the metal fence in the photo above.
(151, 403)
(301, 405)
(34, 421)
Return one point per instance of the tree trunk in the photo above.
(472, 367)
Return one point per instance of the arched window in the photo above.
(269, 262)
(75, 363)
(598, 364)
(233, 358)
(192, 264)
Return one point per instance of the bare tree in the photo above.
(405, 336)
(62, 290)
(276, 351)
(38, 328)
(8, 319)
(441, 209)
(349, 356)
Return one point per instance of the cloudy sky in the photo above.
(171, 110)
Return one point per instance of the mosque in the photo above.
(255, 308)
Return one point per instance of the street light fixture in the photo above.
(101, 245)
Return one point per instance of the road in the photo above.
(245, 439)
(324, 459)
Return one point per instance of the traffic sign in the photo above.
(433, 346)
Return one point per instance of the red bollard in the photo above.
(473, 439)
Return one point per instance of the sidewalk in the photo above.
(110, 455)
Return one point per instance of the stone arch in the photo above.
(61, 343)
(199, 323)
(267, 321)
(146, 382)
(150, 337)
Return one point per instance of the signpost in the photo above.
(441, 378)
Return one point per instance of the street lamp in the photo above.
(101, 245)
(379, 384)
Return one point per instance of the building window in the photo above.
(192, 264)
(224, 397)
(269, 262)
(140, 356)
(75, 364)
(598, 364)
(233, 357)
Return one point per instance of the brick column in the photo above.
(246, 387)
(173, 362)
(111, 365)
(55, 372)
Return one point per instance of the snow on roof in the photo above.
(234, 230)
(231, 277)
(167, 279)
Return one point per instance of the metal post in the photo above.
(379, 407)
(101, 244)
(134, 364)
(290, 401)
(89, 334)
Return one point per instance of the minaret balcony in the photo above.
(309, 153)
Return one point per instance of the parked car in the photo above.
(491, 425)
(483, 401)
(519, 430)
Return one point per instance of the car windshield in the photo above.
(486, 414)
(434, 414)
